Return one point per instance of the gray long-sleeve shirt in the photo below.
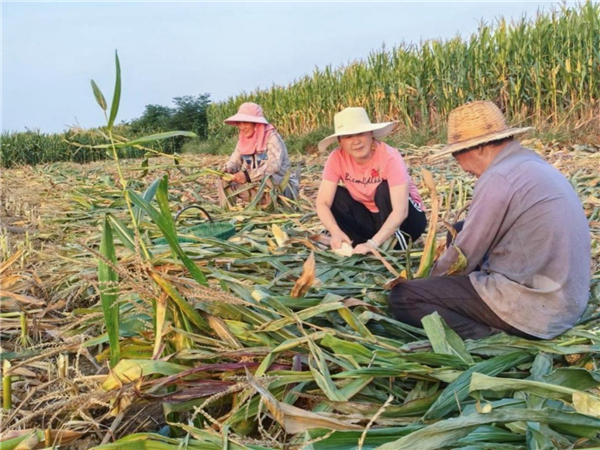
(275, 161)
(527, 231)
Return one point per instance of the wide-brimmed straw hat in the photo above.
(474, 124)
(355, 121)
(247, 112)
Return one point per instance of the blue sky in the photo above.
(50, 50)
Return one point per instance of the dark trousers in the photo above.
(455, 299)
(360, 224)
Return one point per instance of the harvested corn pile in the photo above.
(264, 340)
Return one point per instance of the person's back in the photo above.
(520, 262)
(536, 275)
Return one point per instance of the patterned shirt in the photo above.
(274, 161)
(362, 180)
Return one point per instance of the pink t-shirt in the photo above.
(362, 180)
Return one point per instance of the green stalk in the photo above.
(124, 184)
(6, 386)
(24, 330)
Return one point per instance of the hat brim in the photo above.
(378, 129)
(463, 145)
(245, 118)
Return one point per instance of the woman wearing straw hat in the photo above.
(379, 199)
(521, 263)
(260, 150)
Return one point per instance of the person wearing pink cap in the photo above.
(260, 151)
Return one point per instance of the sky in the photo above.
(51, 50)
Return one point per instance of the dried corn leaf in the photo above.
(295, 420)
(430, 245)
(281, 236)
(307, 278)
(129, 370)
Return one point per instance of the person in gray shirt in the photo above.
(521, 263)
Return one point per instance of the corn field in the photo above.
(265, 340)
(123, 329)
(543, 71)
(75, 145)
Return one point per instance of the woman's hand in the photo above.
(239, 178)
(363, 249)
(226, 169)
(338, 238)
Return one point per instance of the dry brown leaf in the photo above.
(295, 420)
(6, 265)
(350, 302)
(427, 258)
(307, 278)
(219, 327)
(281, 236)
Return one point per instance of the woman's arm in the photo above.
(325, 197)
(234, 164)
(399, 198)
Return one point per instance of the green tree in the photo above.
(155, 117)
(190, 114)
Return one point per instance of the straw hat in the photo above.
(354, 121)
(474, 124)
(248, 112)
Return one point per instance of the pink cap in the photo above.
(248, 112)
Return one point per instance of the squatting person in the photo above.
(378, 199)
(260, 151)
(526, 241)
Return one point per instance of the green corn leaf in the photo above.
(458, 390)
(323, 439)
(356, 324)
(573, 377)
(343, 347)
(320, 371)
(430, 242)
(444, 339)
(583, 402)
(348, 391)
(108, 280)
(157, 137)
(146, 139)
(167, 227)
(149, 194)
(99, 96)
(445, 433)
(192, 315)
(124, 234)
(162, 198)
(114, 107)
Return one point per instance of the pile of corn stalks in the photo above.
(266, 340)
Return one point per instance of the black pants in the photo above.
(360, 224)
(455, 299)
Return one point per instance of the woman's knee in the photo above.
(342, 201)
